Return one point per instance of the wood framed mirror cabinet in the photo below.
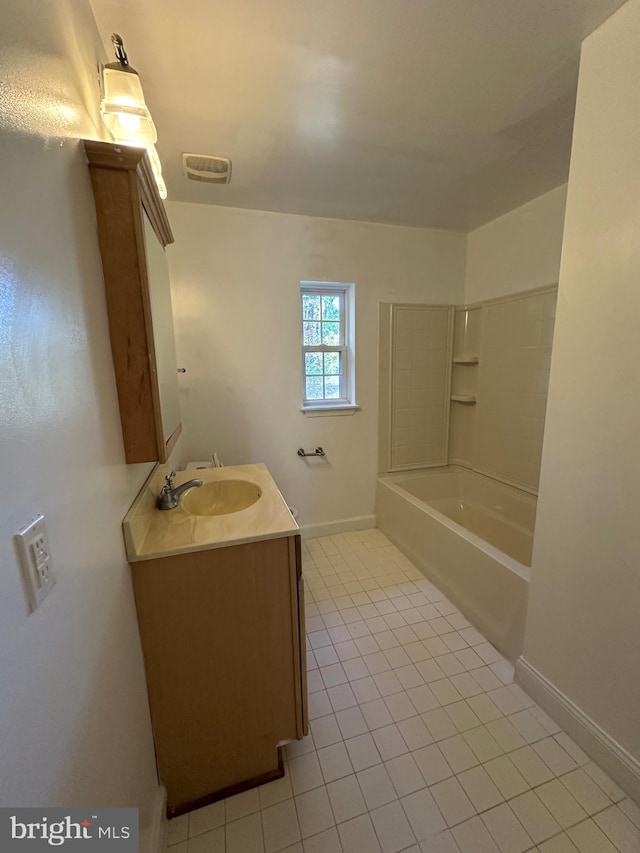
(133, 231)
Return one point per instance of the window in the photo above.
(327, 345)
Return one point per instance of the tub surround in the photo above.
(475, 396)
(151, 533)
(513, 380)
(468, 525)
(424, 513)
(415, 379)
(467, 339)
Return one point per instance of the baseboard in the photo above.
(158, 829)
(332, 528)
(620, 765)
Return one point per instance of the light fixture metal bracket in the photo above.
(118, 46)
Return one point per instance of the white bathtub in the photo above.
(472, 536)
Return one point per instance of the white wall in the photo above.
(517, 251)
(74, 719)
(583, 628)
(235, 275)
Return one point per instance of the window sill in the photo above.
(329, 411)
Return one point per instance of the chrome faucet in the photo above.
(170, 496)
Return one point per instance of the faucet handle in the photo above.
(169, 479)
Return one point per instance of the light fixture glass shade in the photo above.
(123, 107)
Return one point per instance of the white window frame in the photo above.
(346, 403)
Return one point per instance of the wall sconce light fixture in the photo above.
(124, 110)
(123, 107)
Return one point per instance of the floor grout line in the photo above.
(348, 576)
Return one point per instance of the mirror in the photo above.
(163, 335)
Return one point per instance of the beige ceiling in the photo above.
(440, 113)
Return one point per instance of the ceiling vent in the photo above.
(204, 167)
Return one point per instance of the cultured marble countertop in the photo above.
(151, 533)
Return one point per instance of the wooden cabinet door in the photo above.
(221, 641)
(303, 656)
(299, 635)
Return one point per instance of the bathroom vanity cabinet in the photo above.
(133, 231)
(223, 638)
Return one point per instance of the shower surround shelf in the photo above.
(463, 398)
(466, 359)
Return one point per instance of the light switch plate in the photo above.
(35, 557)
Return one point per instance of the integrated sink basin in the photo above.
(210, 516)
(221, 497)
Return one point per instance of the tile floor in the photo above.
(420, 740)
